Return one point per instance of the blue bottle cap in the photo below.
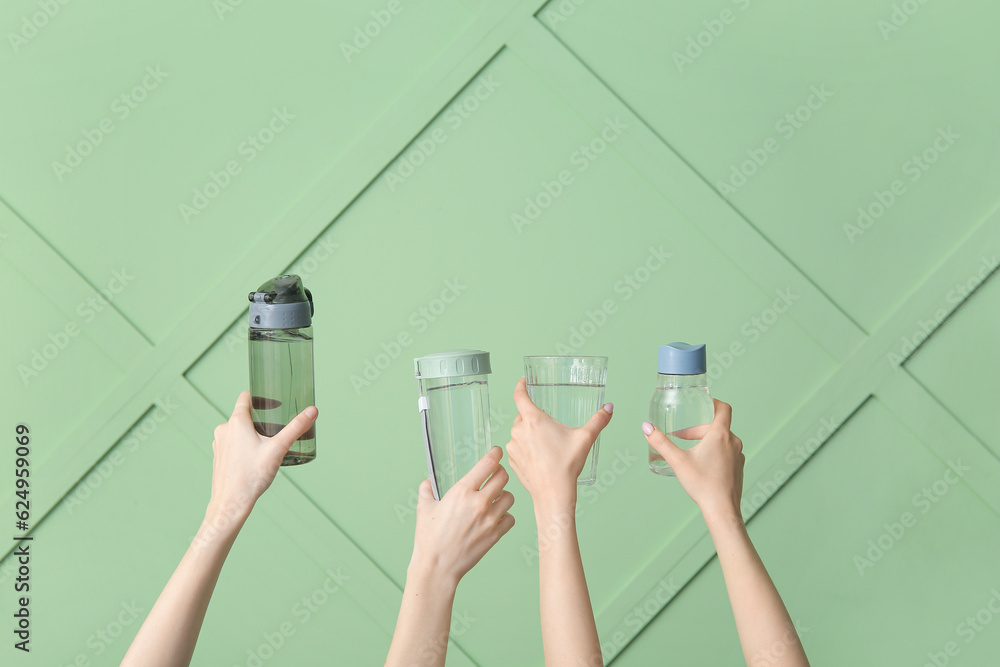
(681, 359)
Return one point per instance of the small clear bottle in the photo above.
(681, 399)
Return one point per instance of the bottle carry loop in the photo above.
(423, 405)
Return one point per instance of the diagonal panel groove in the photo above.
(686, 189)
(694, 170)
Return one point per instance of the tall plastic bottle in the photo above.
(281, 361)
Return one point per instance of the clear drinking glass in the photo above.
(570, 390)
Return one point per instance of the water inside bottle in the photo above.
(672, 410)
(458, 419)
(281, 373)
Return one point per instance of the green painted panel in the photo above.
(439, 232)
(102, 557)
(962, 352)
(204, 110)
(45, 357)
(525, 216)
(874, 527)
(729, 84)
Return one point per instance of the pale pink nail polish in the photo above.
(609, 407)
(647, 428)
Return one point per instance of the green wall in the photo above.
(587, 175)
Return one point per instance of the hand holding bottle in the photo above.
(246, 462)
(711, 472)
(243, 467)
(454, 533)
(547, 456)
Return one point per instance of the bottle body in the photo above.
(458, 426)
(281, 385)
(679, 402)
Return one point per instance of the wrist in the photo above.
(223, 520)
(724, 516)
(553, 519)
(431, 574)
(555, 501)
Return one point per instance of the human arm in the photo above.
(451, 536)
(547, 458)
(244, 465)
(711, 473)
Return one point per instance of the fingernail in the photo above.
(311, 412)
(647, 428)
(609, 407)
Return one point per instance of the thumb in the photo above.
(425, 494)
(662, 444)
(295, 429)
(598, 421)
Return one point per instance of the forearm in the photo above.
(569, 633)
(168, 635)
(767, 634)
(421, 635)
